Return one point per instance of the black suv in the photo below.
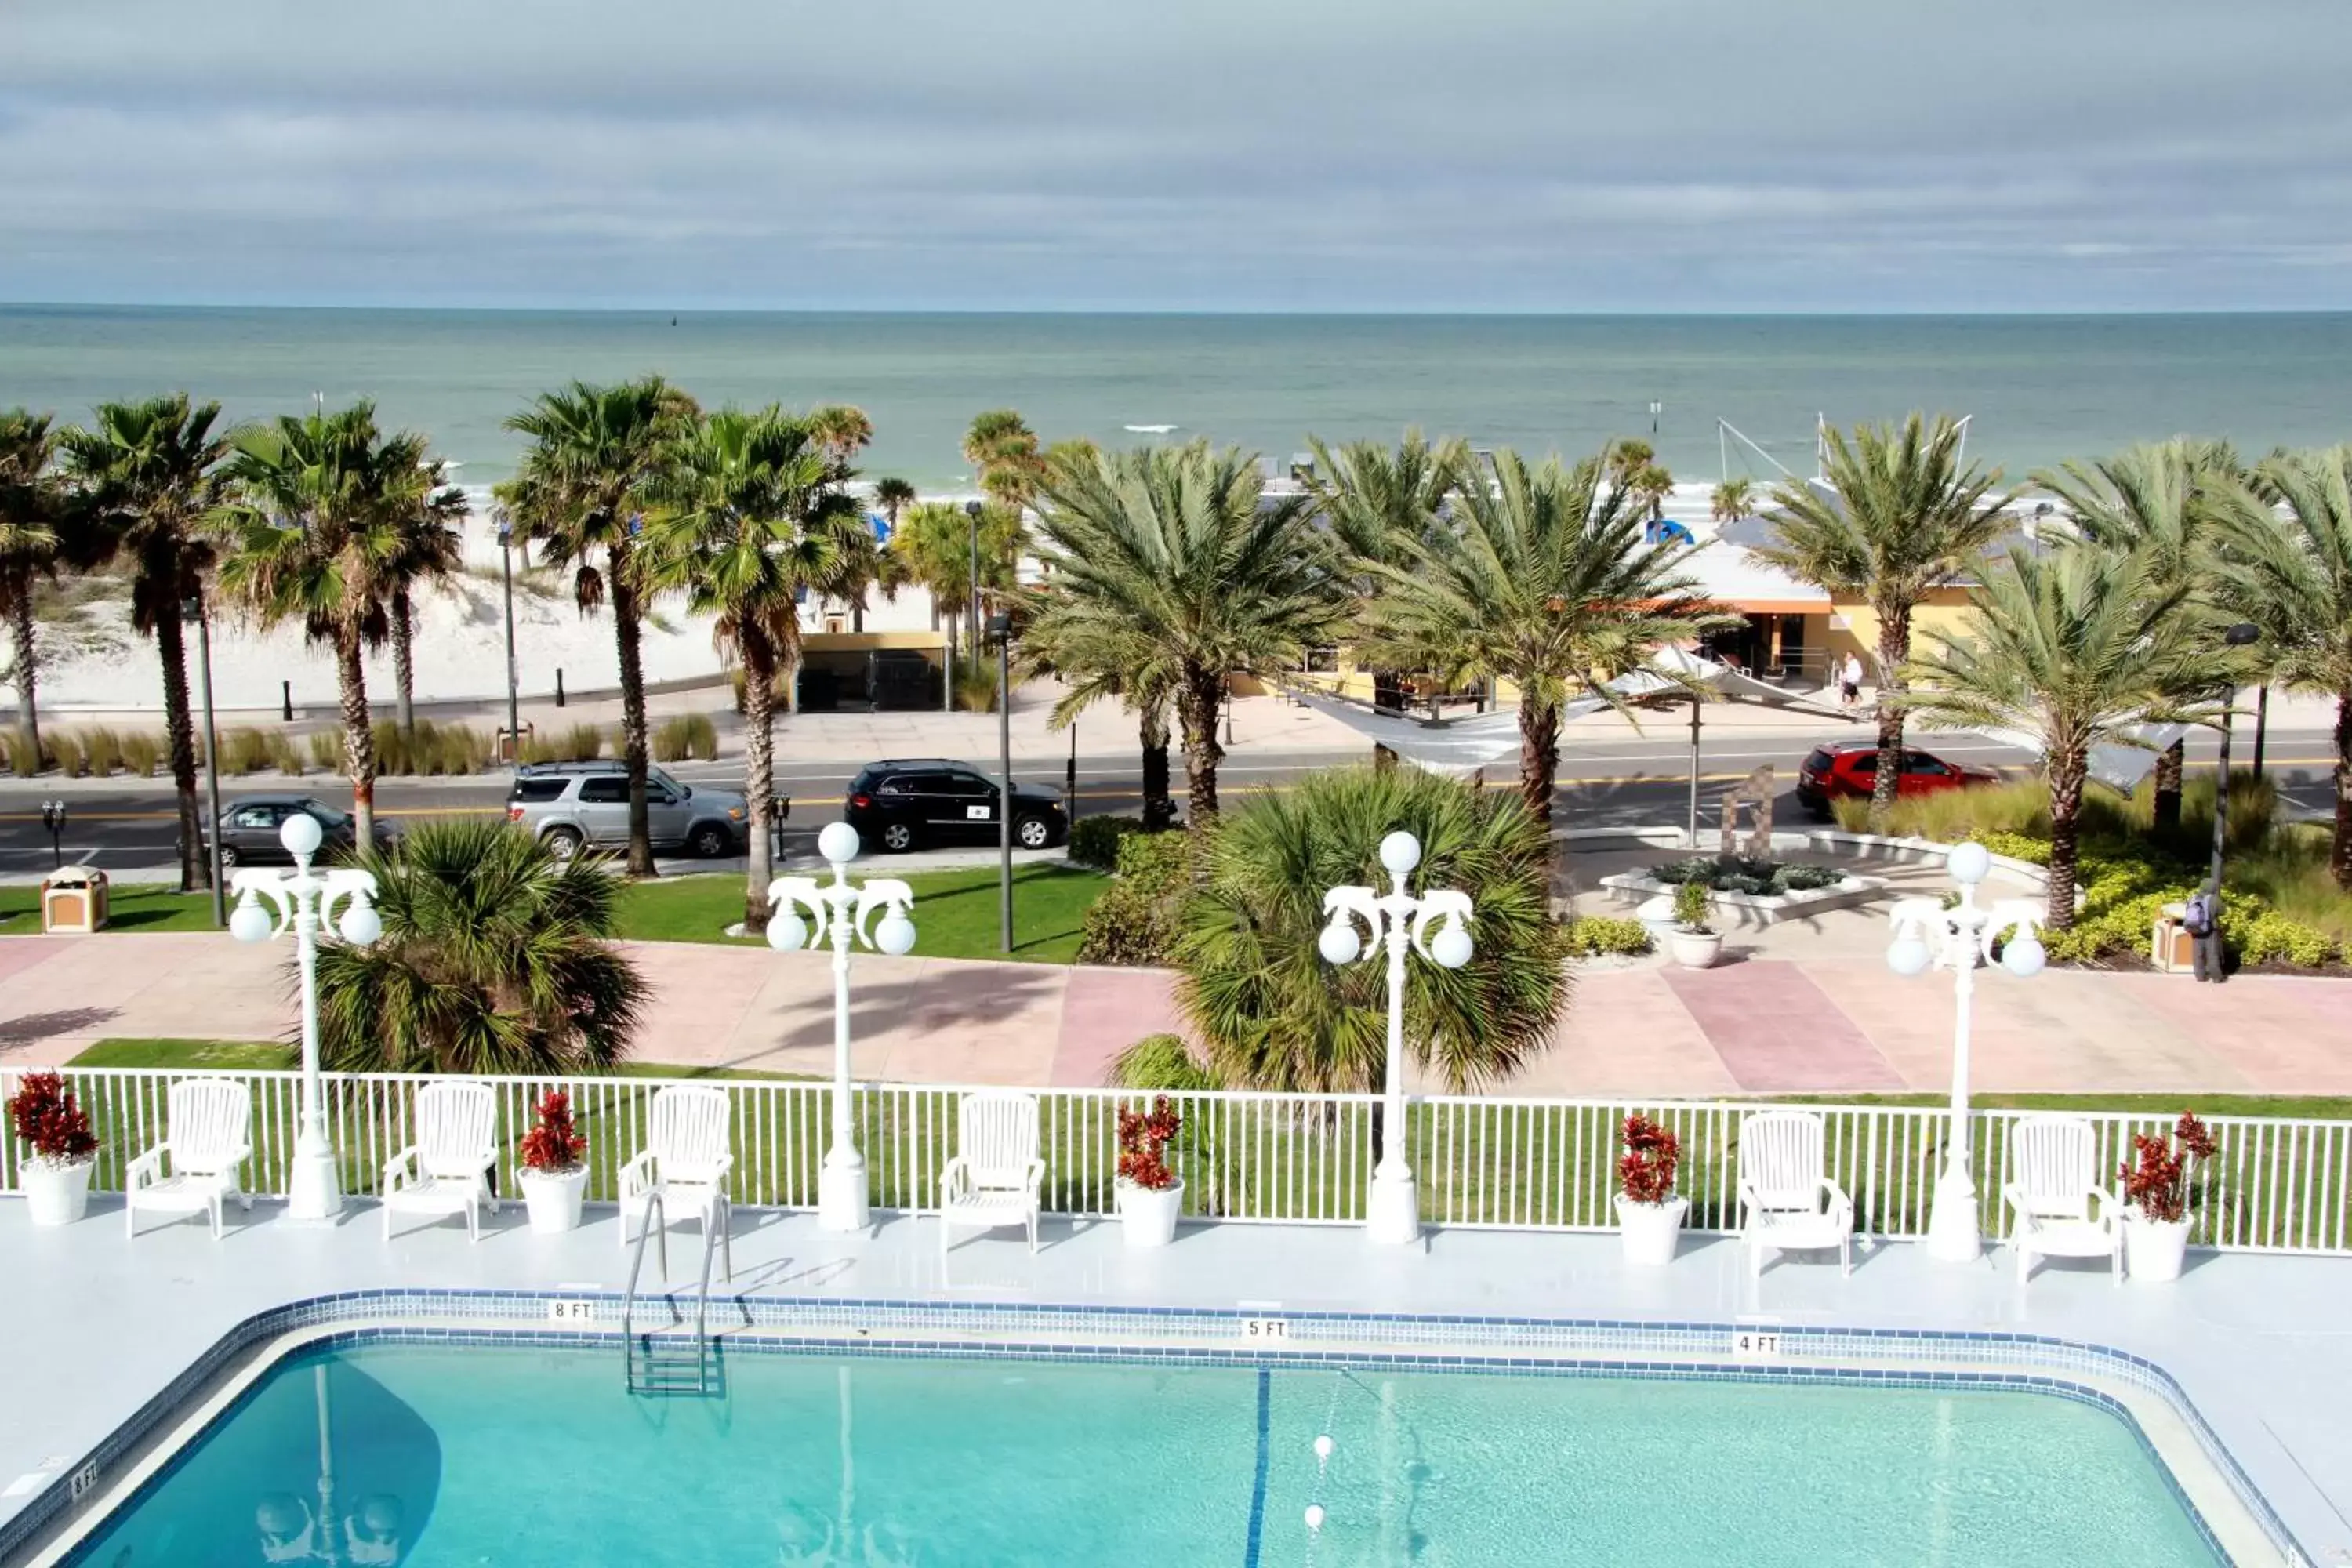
(927, 800)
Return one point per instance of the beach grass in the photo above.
(955, 912)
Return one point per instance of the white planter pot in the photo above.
(1651, 1232)
(1148, 1215)
(2154, 1248)
(56, 1195)
(1696, 949)
(553, 1199)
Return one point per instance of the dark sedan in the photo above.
(249, 829)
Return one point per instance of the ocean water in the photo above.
(2041, 388)
(441, 1457)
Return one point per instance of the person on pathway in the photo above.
(1850, 682)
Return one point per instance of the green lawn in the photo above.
(955, 912)
(244, 1056)
(2297, 1108)
(133, 906)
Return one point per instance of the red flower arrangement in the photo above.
(2157, 1181)
(1646, 1173)
(551, 1145)
(1143, 1145)
(50, 1119)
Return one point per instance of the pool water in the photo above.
(440, 1456)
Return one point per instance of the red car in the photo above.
(1849, 769)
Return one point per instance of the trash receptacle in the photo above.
(73, 900)
(2171, 949)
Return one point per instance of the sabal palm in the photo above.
(431, 551)
(579, 492)
(1732, 500)
(1004, 455)
(31, 509)
(931, 544)
(1177, 549)
(2077, 649)
(496, 958)
(2288, 569)
(317, 507)
(1542, 578)
(151, 474)
(749, 518)
(1905, 518)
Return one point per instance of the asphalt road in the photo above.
(126, 826)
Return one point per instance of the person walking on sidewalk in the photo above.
(1850, 682)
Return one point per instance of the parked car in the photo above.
(249, 827)
(575, 806)
(1849, 769)
(930, 800)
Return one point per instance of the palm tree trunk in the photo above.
(2166, 811)
(404, 660)
(627, 635)
(2066, 773)
(1894, 652)
(180, 734)
(2339, 853)
(1197, 697)
(1152, 733)
(759, 771)
(28, 664)
(359, 741)
(1538, 756)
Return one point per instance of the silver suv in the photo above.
(575, 806)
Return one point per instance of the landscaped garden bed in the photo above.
(1748, 891)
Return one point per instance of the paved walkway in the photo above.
(1756, 1025)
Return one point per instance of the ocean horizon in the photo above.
(2038, 388)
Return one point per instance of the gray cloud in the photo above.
(1675, 155)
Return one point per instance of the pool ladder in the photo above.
(654, 1363)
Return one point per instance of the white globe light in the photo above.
(251, 922)
(1315, 1516)
(895, 936)
(300, 835)
(2024, 957)
(1451, 945)
(1908, 956)
(1338, 944)
(361, 925)
(1323, 1445)
(1399, 852)
(838, 843)
(787, 933)
(1969, 862)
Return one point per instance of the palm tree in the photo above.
(894, 496)
(580, 492)
(1274, 1016)
(31, 509)
(1178, 548)
(2161, 501)
(151, 474)
(751, 517)
(496, 958)
(1904, 520)
(1542, 578)
(1732, 500)
(2288, 569)
(1373, 496)
(932, 546)
(430, 550)
(1004, 457)
(843, 430)
(316, 510)
(1098, 658)
(2078, 650)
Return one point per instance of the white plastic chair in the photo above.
(2059, 1209)
(688, 1151)
(447, 1169)
(1788, 1200)
(996, 1177)
(208, 1136)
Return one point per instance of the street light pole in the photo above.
(506, 572)
(1000, 628)
(2209, 946)
(1928, 935)
(840, 912)
(971, 511)
(192, 608)
(1395, 921)
(1656, 409)
(306, 900)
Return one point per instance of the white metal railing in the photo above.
(2278, 1184)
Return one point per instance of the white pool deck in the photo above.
(95, 1324)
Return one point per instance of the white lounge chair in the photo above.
(207, 1138)
(996, 1177)
(688, 1154)
(1788, 1200)
(447, 1169)
(2053, 1192)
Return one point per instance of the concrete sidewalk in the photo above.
(1759, 1025)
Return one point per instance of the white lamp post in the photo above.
(1928, 935)
(305, 899)
(845, 911)
(1392, 1213)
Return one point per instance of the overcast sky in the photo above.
(1191, 154)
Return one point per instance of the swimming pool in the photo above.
(437, 1456)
